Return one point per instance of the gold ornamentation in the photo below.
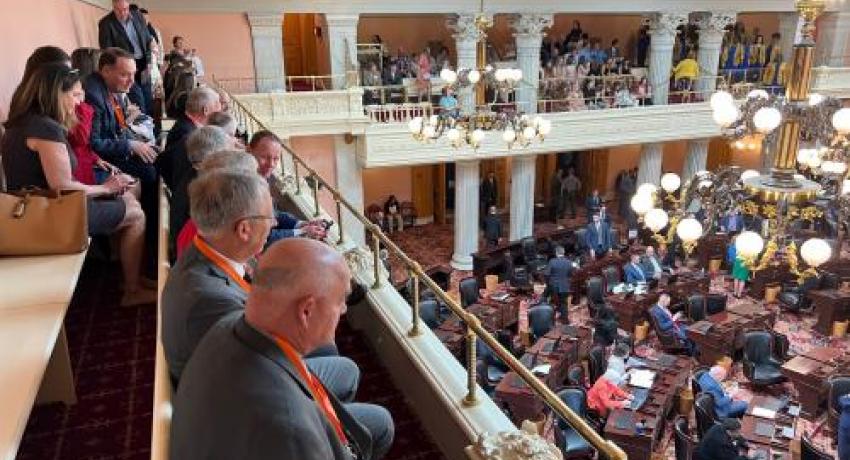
(749, 208)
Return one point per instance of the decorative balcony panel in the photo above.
(308, 113)
(392, 144)
(831, 81)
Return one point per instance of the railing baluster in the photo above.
(315, 186)
(297, 176)
(471, 382)
(376, 251)
(414, 328)
(339, 221)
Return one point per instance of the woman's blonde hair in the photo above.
(41, 95)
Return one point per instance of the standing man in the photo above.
(625, 190)
(489, 192)
(572, 184)
(593, 203)
(492, 227)
(127, 30)
(558, 273)
(598, 237)
(556, 189)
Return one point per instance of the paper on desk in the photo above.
(764, 413)
(642, 378)
(542, 369)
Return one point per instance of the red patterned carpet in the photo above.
(112, 354)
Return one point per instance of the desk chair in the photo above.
(429, 311)
(794, 297)
(492, 370)
(781, 346)
(706, 414)
(670, 342)
(535, 262)
(682, 440)
(541, 319)
(595, 295)
(596, 363)
(760, 367)
(612, 277)
(715, 303)
(837, 386)
(696, 307)
(808, 451)
(468, 288)
(571, 443)
(521, 280)
(829, 280)
(575, 376)
(698, 372)
(580, 243)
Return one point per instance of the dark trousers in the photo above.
(570, 204)
(559, 302)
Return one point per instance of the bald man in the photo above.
(246, 392)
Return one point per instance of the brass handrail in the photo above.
(473, 324)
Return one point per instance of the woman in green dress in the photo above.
(740, 275)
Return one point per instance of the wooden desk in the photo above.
(632, 309)
(749, 424)
(712, 246)
(685, 286)
(491, 261)
(34, 362)
(808, 372)
(505, 313)
(722, 334)
(671, 376)
(830, 305)
(774, 274)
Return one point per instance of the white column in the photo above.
(528, 31)
(349, 182)
(649, 169)
(712, 26)
(523, 169)
(662, 32)
(789, 26)
(267, 37)
(467, 180)
(342, 40)
(833, 34)
(695, 159)
(466, 36)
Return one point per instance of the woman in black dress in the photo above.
(36, 154)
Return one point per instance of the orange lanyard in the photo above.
(316, 387)
(119, 112)
(221, 263)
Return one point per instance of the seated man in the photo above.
(669, 323)
(605, 394)
(233, 212)
(634, 272)
(652, 264)
(598, 237)
(723, 441)
(724, 405)
(247, 393)
(392, 208)
(267, 148)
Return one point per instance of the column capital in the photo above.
(465, 27)
(266, 19)
(666, 23)
(715, 21)
(342, 20)
(531, 25)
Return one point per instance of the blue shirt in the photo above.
(448, 102)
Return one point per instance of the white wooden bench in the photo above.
(162, 390)
(34, 362)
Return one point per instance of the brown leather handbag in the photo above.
(40, 222)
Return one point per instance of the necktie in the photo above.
(119, 112)
(598, 235)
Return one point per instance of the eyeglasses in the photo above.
(260, 217)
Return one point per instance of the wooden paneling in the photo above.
(423, 190)
(719, 154)
(545, 170)
(300, 44)
(593, 170)
(439, 172)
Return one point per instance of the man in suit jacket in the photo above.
(558, 273)
(489, 192)
(127, 30)
(724, 405)
(246, 392)
(634, 272)
(668, 323)
(200, 292)
(593, 203)
(598, 237)
(722, 441)
(651, 264)
(492, 227)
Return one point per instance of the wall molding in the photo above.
(103, 4)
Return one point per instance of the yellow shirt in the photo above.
(686, 68)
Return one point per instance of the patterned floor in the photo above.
(112, 352)
(431, 245)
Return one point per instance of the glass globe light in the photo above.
(453, 135)
(766, 119)
(803, 155)
(488, 68)
(473, 76)
(815, 99)
(429, 131)
(641, 203)
(545, 127)
(415, 125)
(656, 219)
(845, 187)
(689, 230)
(701, 173)
(815, 161)
(509, 135)
(500, 75)
(477, 136)
(725, 115)
(516, 75)
(529, 133)
(749, 174)
(433, 120)
(758, 94)
(815, 252)
(647, 188)
(536, 121)
(720, 98)
(705, 184)
(670, 182)
(749, 244)
(841, 121)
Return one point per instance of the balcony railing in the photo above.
(248, 85)
(474, 330)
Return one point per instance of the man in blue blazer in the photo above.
(634, 272)
(558, 273)
(724, 405)
(593, 203)
(598, 237)
(669, 323)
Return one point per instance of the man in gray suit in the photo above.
(246, 392)
(558, 271)
(234, 213)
